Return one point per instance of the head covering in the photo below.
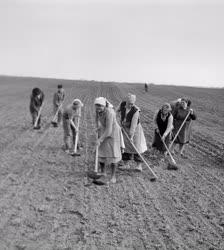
(131, 98)
(108, 104)
(101, 101)
(36, 91)
(184, 99)
(77, 102)
(166, 104)
(60, 86)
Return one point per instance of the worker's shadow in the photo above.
(127, 172)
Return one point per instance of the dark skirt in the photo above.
(184, 134)
(158, 144)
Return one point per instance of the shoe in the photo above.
(123, 166)
(172, 166)
(120, 163)
(67, 151)
(37, 127)
(139, 167)
(113, 180)
(74, 153)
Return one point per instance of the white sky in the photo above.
(160, 41)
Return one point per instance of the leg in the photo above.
(182, 147)
(67, 141)
(59, 116)
(113, 174)
(34, 117)
(103, 168)
(126, 157)
(173, 147)
(138, 160)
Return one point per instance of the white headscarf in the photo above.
(131, 98)
(101, 101)
(77, 102)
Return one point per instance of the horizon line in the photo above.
(110, 81)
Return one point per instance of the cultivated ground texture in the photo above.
(46, 201)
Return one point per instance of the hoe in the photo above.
(153, 176)
(38, 116)
(76, 141)
(95, 175)
(53, 122)
(173, 165)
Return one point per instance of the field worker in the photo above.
(58, 99)
(109, 137)
(146, 87)
(121, 106)
(184, 135)
(71, 115)
(175, 105)
(163, 122)
(130, 120)
(36, 102)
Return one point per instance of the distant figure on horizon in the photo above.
(58, 100)
(36, 103)
(146, 87)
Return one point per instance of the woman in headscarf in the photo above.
(36, 102)
(71, 115)
(110, 141)
(179, 116)
(130, 120)
(163, 121)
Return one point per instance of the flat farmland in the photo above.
(46, 201)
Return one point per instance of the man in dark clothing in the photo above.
(36, 103)
(146, 87)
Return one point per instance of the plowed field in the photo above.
(46, 201)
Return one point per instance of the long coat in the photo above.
(36, 102)
(185, 133)
(135, 131)
(109, 132)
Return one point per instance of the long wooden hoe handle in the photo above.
(171, 144)
(142, 158)
(167, 149)
(38, 116)
(77, 136)
(96, 157)
(55, 116)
